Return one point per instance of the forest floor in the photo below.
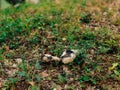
(29, 31)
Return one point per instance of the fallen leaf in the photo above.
(11, 72)
(49, 37)
(58, 87)
(44, 74)
(14, 66)
(32, 83)
(90, 88)
(66, 70)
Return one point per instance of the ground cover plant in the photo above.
(29, 31)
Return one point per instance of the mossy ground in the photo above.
(28, 31)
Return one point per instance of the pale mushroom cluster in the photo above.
(66, 57)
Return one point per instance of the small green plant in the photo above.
(33, 88)
(88, 35)
(62, 78)
(13, 45)
(24, 66)
(1, 54)
(83, 3)
(81, 58)
(38, 78)
(85, 18)
(3, 37)
(55, 12)
(103, 50)
(8, 55)
(34, 40)
(38, 66)
(23, 72)
(13, 80)
(86, 78)
(118, 57)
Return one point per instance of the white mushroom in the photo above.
(55, 58)
(69, 56)
(48, 57)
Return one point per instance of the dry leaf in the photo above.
(59, 87)
(12, 87)
(11, 72)
(57, 1)
(32, 83)
(50, 36)
(14, 66)
(66, 70)
(44, 74)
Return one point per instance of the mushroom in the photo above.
(48, 58)
(55, 58)
(69, 56)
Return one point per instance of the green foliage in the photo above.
(86, 78)
(1, 54)
(38, 22)
(82, 57)
(103, 50)
(85, 18)
(61, 20)
(83, 3)
(35, 39)
(38, 66)
(38, 78)
(11, 28)
(24, 66)
(88, 35)
(61, 79)
(13, 45)
(55, 12)
(8, 55)
(118, 57)
(22, 74)
(34, 88)
(86, 42)
(13, 80)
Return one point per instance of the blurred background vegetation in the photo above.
(29, 29)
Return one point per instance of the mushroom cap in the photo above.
(69, 56)
(47, 57)
(69, 59)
